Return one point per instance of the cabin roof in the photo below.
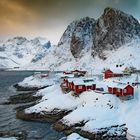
(68, 75)
(78, 82)
(118, 85)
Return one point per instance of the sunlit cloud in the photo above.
(50, 18)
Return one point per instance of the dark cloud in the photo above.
(50, 17)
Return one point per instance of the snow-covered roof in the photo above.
(67, 75)
(72, 79)
(82, 81)
(117, 85)
(78, 82)
(89, 83)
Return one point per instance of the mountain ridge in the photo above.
(19, 51)
(88, 44)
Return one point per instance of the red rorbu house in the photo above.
(78, 72)
(70, 84)
(79, 86)
(65, 83)
(121, 90)
(108, 74)
(83, 85)
(90, 85)
(67, 72)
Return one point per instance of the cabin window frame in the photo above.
(118, 90)
(124, 90)
(80, 87)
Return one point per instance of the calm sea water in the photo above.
(8, 121)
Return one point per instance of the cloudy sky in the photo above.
(49, 18)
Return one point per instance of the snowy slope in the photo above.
(19, 51)
(99, 112)
(91, 45)
(74, 136)
(62, 59)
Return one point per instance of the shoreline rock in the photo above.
(43, 116)
(22, 98)
(67, 130)
(22, 88)
(19, 135)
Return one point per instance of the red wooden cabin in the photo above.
(78, 85)
(123, 90)
(67, 72)
(78, 72)
(108, 74)
(90, 86)
(65, 81)
(79, 88)
(71, 85)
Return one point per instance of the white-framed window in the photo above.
(118, 90)
(124, 90)
(80, 87)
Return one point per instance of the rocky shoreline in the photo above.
(43, 116)
(22, 88)
(102, 135)
(18, 135)
(23, 98)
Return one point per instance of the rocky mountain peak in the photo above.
(113, 29)
(78, 36)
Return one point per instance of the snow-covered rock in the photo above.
(74, 136)
(78, 36)
(112, 30)
(36, 81)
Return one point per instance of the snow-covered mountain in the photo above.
(86, 44)
(112, 30)
(112, 39)
(19, 51)
(78, 36)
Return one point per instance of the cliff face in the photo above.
(112, 30)
(78, 36)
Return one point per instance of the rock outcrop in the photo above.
(78, 36)
(113, 29)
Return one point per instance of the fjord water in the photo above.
(8, 121)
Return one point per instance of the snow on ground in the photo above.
(11, 138)
(96, 110)
(36, 81)
(60, 59)
(54, 98)
(74, 136)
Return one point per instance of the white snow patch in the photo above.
(75, 136)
